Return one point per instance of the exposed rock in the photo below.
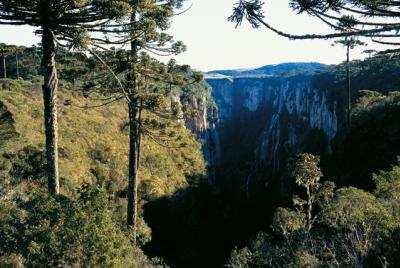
(268, 116)
(261, 116)
(203, 124)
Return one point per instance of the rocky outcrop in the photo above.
(200, 116)
(259, 119)
(296, 107)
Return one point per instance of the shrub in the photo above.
(28, 164)
(10, 84)
(240, 258)
(287, 221)
(54, 231)
(355, 209)
(7, 128)
(101, 153)
(305, 259)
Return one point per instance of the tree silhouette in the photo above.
(349, 42)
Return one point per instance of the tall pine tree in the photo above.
(149, 21)
(145, 34)
(67, 21)
(349, 42)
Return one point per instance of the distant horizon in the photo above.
(233, 68)
(268, 64)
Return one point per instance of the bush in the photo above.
(7, 128)
(351, 227)
(101, 153)
(10, 84)
(54, 231)
(355, 209)
(240, 258)
(288, 221)
(27, 164)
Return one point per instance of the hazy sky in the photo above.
(214, 43)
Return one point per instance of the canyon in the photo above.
(261, 116)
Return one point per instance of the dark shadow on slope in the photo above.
(7, 125)
(200, 225)
(372, 144)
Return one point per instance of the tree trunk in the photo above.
(309, 209)
(3, 68)
(139, 135)
(348, 87)
(17, 64)
(133, 168)
(134, 145)
(50, 88)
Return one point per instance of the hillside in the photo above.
(93, 142)
(93, 170)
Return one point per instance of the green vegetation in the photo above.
(374, 138)
(83, 225)
(134, 191)
(349, 227)
(93, 138)
(42, 230)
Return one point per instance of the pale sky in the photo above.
(214, 43)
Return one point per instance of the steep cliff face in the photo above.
(202, 121)
(262, 119)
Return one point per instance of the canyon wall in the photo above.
(261, 119)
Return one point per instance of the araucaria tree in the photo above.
(66, 22)
(144, 32)
(349, 42)
(378, 20)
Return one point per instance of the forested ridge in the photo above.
(103, 147)
(37, 229)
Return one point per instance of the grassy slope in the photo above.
(92, 139)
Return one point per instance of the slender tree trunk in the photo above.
(3, 67)
(140, 110)
(309, 209)
(133, 169)
(17, 63)
(50, 88)
(348, 87)
(134, 143)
